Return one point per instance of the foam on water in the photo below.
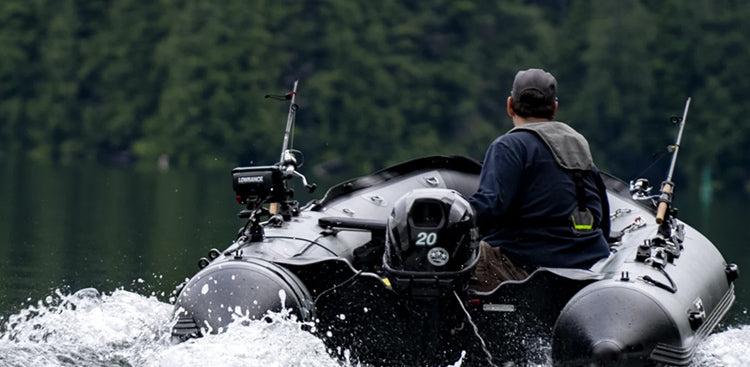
(85, 329)
(128, 329)
(727, 348)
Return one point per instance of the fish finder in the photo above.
(255, 185)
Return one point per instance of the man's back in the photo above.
(524, 201)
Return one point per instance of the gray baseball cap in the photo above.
(535, 79)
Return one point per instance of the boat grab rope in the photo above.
(310, 243)
(671, 287)
(476, 330)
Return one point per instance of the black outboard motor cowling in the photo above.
(431, 245)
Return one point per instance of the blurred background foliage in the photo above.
(128, 81)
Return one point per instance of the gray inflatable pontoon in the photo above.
(336, 262)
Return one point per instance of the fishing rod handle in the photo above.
(661, 210)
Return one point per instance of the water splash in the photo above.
(729, 348)
(275, 341)
(128, 329)
(85, 329)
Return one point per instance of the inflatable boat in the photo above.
(379, 268)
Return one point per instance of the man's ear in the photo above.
(554, 112)
(509, 108)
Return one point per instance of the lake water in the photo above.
(90, 255)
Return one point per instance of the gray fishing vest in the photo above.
(571, 152)
(570, 149)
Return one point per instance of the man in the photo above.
(540, 201)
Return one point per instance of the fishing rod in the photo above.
(289, 121)
(258, 185)
(667, 187)
(288, 160)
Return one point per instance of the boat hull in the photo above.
(659, 293)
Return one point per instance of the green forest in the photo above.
(380, 82)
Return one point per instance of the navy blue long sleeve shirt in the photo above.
(521, 187)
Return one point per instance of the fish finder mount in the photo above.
(257, 185)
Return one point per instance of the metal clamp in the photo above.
(638, 222)
(618, 213)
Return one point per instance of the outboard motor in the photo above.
(431, 245)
